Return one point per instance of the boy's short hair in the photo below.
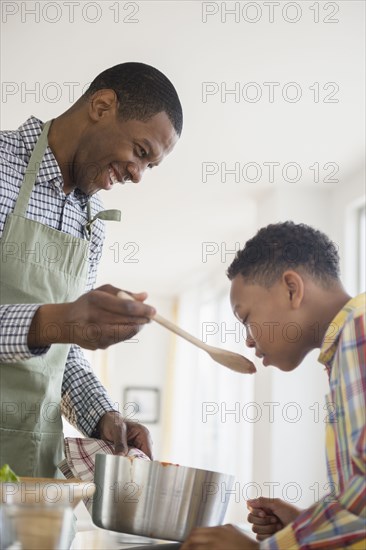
(282, 246)
(142, 92)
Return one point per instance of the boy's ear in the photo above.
(294, 285)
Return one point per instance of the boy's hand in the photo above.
(269, 515)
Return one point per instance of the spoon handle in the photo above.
(171, 326)
(180, 332)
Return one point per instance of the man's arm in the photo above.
(15, 322)
(86, 405)
(84, 399)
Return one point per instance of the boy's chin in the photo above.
(291, 362)
(287, 366)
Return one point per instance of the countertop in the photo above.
(100, 539)
(91, 537)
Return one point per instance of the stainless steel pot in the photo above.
(156, 499)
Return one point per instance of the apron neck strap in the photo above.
(32, 171)
(110, 215)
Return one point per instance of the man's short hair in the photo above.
(282, 246)
(142, 92)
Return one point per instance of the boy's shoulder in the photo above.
(355, 308)
(342, 333)
(352, 321)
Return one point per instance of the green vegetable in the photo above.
(7, 474)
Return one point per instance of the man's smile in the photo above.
(114, 175)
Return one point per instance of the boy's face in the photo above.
(275, 325)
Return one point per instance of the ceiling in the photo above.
(169, 216)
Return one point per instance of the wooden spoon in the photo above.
(228, 359)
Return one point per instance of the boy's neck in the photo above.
(330, 304)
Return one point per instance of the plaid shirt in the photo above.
(84, 399)
(339, 519)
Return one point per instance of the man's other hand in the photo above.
(124, 434)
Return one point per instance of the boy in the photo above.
(289, 273)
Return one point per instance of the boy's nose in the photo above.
(249, 342)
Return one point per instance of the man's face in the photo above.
(274, 328)
(114, 151)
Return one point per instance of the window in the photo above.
(354, 256)
(361, 256)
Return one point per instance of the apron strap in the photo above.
(31, 172)
(110, 215)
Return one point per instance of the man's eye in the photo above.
(141, 152)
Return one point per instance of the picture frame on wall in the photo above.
(142, 404)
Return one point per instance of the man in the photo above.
(52, 232)
(286, 274)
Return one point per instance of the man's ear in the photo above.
(294, 285)
(102, 103)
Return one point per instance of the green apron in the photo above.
(31, 438)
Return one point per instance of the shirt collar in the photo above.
(49, 170)
(330, 340)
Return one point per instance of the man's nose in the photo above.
(136, 172)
